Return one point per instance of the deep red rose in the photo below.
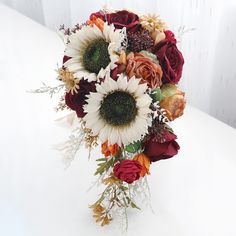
(77, 100)
(161, 146)
(127, 170)
(120, 19)
(124, 18)
(170, 58)
(170, 36)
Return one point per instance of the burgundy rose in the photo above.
(170, 36)
(127, 170)
(77, 100)
(161, 146)
(120, 19)
(170, 58)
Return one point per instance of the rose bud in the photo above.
(158, 36)
(161, 146)
(109, 150)
(173, 102)
(127, 170)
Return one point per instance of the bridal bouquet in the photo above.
(119, 75)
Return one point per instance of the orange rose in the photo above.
(145, 163)
(143, 67)
(109, 150)
(173, 102)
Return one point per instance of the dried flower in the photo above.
(91, 140)
(71, 83)
(140, 40)
(109, 150)
(100, 214)
(61, 106)
(152, 22)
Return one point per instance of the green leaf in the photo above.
(156, 95)
(101, 159)
(133, 205)
(104, 165)
(133, 147)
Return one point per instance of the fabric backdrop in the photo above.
(209, 78)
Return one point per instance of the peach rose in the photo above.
(173, 102)
(140, 66)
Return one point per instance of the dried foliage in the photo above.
(48, 89)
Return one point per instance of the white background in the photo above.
(192, 194)
(209, 78)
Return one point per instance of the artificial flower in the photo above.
(139, 40)
(127, 170)
(120, 19)
(71, 82)
(161, 145)
(92, 52)
(119, 110)
(119, 75)
(77, 100)
(173, 101)
(144, 162)
(170, 58)
(124, 18)
(140, 66)
(109, 150)
(152, 22)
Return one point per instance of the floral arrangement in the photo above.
(119, 75)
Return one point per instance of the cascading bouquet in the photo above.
(120, 73)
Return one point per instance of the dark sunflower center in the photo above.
(96, 56)
(118, 108)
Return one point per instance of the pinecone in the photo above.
(140, 40)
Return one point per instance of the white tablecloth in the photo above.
(192, 194)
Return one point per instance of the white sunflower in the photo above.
(119, 111)
(94, 52)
